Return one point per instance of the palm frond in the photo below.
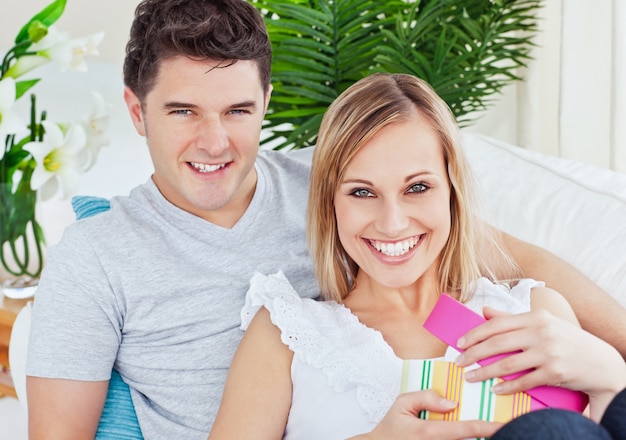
(466, 49)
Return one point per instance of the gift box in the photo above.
(449, 320)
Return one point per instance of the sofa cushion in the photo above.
(576, 211)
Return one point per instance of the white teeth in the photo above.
(204, 168)
(395, 249)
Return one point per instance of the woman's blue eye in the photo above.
(418, 188)
(360, 192)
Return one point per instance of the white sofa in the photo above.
(577, 211)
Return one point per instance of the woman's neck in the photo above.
(398, 313)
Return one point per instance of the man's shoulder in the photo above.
(101, 215)
(287, 176)
(296, 161)
(103, 226)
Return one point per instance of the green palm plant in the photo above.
(466, 49)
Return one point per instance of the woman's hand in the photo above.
(401, 421)
(555, 351)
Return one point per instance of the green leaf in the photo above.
(47, 16)
(295, 113)
(22, 87)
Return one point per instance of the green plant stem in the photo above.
(33, 118)
(20, 266)
(10, 55)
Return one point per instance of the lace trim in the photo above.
(328, 337)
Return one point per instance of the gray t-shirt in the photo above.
(157, 292)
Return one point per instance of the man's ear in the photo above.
(268, 95)
(134, 108)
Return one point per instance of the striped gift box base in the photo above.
(476, 401)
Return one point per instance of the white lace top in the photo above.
(345, 376)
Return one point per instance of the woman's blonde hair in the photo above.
(357, 115)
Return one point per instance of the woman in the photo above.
(391, 224)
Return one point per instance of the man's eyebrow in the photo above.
(175, 104)
(245, 104)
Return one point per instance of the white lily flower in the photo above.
(25, 64)
(58, 159)
(69, 53)
(57, 46)
(96, 129)
(49, 167)
(10, 122)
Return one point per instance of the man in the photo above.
(154, 287)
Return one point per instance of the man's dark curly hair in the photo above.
(221, 30)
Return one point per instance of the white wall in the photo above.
(81, 18)
(572, 102)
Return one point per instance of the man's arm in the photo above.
(596, 310)
(64, 409)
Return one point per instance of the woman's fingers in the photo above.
(535, 342)
(401, 420)
(541, 349)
